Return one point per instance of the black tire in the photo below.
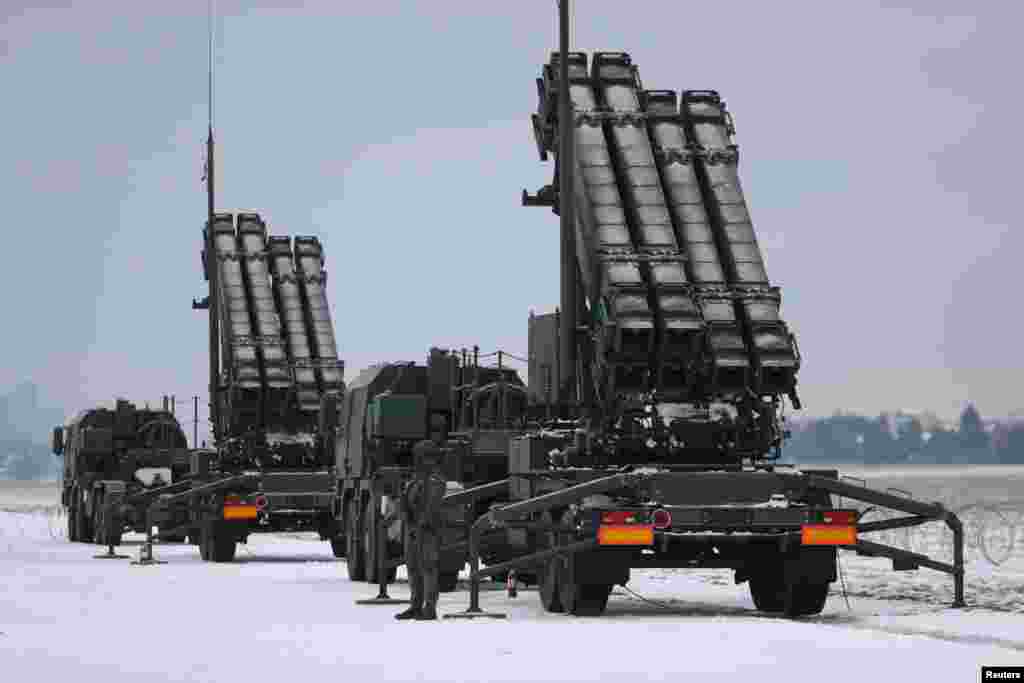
(772, 594)
(768, 591)
(72, 513)
(549, 581)
(99, 526)
(584, 599)
(550, 587)
(370, 541)
(354, 544)
(805, 599)
(204, 546)
(84, 525)
(447, 581)
(222, 545)
(579, 599)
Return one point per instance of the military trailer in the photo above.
(117, 454)
(472, 409)
(275, 386)
(662, 380)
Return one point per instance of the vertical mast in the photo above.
(211, 252)
(566, 162)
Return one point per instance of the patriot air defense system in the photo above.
(275, 386)
(658, 388)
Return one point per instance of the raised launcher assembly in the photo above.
(677, 304)
(273, 376)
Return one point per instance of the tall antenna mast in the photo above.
(211, 251)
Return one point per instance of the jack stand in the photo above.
(474, 611)
(382, 577)
(111, 555)
(146, 551)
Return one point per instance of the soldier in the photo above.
(421, 512)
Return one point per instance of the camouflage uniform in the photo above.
(421, 514)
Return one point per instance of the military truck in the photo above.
(120, 452)
(471, 408)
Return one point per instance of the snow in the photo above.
(285, 608)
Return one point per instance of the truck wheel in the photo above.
(72, 513)
(99, 531)
(549, 585)
(353, 544)
(370, 541)
(84, 525)
(447, 581)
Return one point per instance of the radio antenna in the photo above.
(209, 83)
(210, 248)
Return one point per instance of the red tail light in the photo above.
(839, 517)
(662, 519)
(622, 517)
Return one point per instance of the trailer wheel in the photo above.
(204, 545)
(768, 591)
(220, 545)
(549, 585)
(353, 544)
(447, 581)
(579, 599)
(804, 599)
(773, 594)
(584, 599)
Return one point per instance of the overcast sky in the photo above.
(880, 154)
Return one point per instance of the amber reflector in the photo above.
(823, 534)
(625, 535)
(240, 512)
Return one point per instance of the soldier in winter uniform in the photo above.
(421, 512)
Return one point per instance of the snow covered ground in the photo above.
(286, 610)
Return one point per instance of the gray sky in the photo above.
(879, 152)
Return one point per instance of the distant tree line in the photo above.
(26, 461)
(898, 439)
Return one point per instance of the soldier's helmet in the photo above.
(427, 454)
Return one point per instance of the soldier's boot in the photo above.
(428, 613)
(411, 613)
